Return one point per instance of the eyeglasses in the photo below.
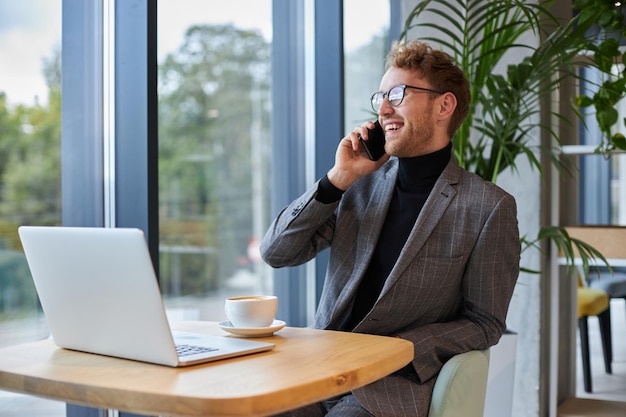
(395, 95)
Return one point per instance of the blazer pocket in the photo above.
(436, 274)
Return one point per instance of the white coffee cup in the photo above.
(251, 310)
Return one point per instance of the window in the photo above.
(214, 152)
(366, 43)
(30, 166)
(219, 131)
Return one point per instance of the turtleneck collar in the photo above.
(416, 171)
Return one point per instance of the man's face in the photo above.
(410, 128)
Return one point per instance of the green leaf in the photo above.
(587, 15)
(617, 21)
(606, 18)
(572, 248)
(609, 47)
(583, 101)
(619, 141)
(603, 61)
(607, 117)
(581, 4)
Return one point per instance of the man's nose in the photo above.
(385, 107)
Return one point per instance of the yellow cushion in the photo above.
(591, 302)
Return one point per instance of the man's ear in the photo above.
(447, 105)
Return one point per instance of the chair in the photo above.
(613, 283)
(461, 386)
(593, 302)
(594, 298)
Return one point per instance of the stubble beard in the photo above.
(415, 138)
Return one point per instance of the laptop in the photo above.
(99, 294)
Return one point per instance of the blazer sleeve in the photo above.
(299, 232)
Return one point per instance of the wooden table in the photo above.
(306, 366)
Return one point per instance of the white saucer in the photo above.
(252, 331)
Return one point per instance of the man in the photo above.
(419, 248)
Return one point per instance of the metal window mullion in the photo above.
(289, 140)
(108, 110)
(329, 101)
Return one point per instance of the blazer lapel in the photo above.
(371, 226)
(438, 201)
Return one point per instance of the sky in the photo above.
(173, 20)
(30, 29)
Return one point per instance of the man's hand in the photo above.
(351, 160)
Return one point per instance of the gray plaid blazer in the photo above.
(449, 290)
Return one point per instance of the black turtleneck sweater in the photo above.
(416, 179)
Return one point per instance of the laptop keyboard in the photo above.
(186, 350)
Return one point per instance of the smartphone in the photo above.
(375, 143)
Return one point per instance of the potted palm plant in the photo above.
(504, 115)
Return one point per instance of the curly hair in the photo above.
(438, 69)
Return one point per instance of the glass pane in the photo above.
(618, 169)
(605, 204)
(30, 168)
(366, 42)
(618, 190)
(214, 145)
